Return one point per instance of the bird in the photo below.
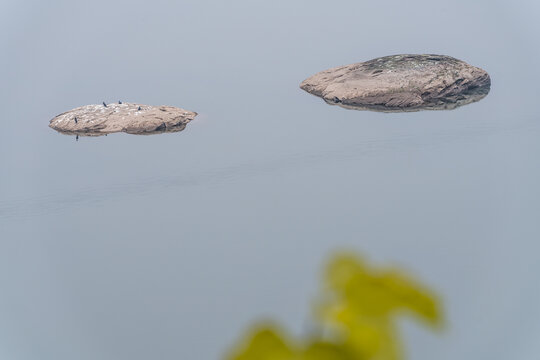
(77, 138)
(104, 104)
(139, 109)
(119, 102)
(75, 119)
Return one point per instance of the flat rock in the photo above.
(96, 120)
(400, 83)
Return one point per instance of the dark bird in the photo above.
(75, 119)
(77, 138)
(139, 109)
(104, 104)
(119, 102)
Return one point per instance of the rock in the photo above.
(96, 120)
(401, 83)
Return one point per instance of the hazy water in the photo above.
(168, 246)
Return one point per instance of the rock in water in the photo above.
(401, 83)
(95, 120)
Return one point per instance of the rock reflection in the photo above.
(448, 103)
(82, 133)
(355, 316)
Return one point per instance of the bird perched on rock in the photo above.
(119, 102)
(139, 109)
(104, 104)
(75, 119)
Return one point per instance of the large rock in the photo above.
(401, 83)
(95, 120)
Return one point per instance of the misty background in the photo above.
(169, 246)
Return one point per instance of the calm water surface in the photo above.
(168, 246)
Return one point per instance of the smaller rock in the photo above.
(131, 118)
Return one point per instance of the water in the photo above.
(169, 246)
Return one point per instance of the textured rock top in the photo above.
(401, 83)
(95, 120)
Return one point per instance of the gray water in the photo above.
(169, 246)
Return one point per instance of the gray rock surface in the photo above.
(96, 120)
(399, 83)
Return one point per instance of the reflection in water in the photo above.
(158, 130)
(448, 103)
(355, 314)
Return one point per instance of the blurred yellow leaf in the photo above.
(265, 343)
(358, 305)
(376, 293)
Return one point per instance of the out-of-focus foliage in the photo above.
(363, 303)
(268, 342)
(356, 312)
